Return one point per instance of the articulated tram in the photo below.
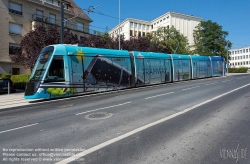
(65, 70)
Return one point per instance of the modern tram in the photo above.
(65, 70)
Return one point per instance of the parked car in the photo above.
(4, 85)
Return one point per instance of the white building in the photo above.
(133, 27)
(240, 57)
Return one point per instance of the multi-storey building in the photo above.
(18, 17)
(240, 57)
(134, 27)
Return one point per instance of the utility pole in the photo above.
(119, 28)
(63, 3)
(227, 58)
(62, 22)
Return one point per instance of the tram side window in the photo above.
(56, 70)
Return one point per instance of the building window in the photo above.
(15, 29)
(39, 15)
(131, 33)
(246, 50)
(232, 58)
(65, 22)
(13, 49)
(52, 18)
(15, 71)
(147, 27)
(243, 56)
(135, 33)
(232, 52)
(135, 25)
(139, 26)
(246, 62)
(79, 26)
(15, 8)
(143, 26)
(246, 56)
(82, 38)
(143, 33)
(49, 1)
(139, 34)
(241, 51)
(131, 24)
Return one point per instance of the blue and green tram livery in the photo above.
(65, 70)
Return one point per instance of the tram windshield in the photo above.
(42, 64)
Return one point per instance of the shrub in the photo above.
(20, 80)
(238, 70)
(5, 76)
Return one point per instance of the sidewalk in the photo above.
(232, 74)
(12, 100)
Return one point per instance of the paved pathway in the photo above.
(12, 100)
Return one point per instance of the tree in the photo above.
(33, 42)
(169, 40)
(210, 39)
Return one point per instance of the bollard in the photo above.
(8, 87)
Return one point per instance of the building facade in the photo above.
(18, 17)
(240, 57)
(130, 27)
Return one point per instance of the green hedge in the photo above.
(5, 76)
(20, 80)
(238, 70)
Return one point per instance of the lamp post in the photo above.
(227, 58)
(62, 22)
(119, 28)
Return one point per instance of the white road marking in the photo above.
(103, 108)
(18, 128)
(159, 95)
(104, 144)
(211, 83)
(226, 80)
(190, 88)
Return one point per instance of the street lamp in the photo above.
(62, 22)
(227, 58)
(63, 2)
(119, 28)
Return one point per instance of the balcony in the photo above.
(15, 12)
(67, 25)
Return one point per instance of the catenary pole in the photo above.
(119, 28)
(62, 22)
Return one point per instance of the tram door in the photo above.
(76, 73)
(167, 70)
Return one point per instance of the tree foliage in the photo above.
(164, 40)
(170, 40)
(33, 42)
(210, 39)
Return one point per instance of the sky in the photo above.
(232, 15)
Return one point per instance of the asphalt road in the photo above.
(198, 121)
